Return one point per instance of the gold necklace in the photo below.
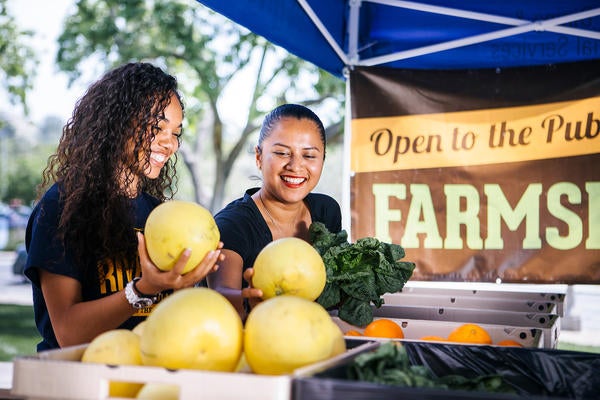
(275, 224)
(267, 210)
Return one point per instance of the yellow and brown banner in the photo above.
(477, 185)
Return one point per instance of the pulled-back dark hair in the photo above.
(111, 124)
(290, 111)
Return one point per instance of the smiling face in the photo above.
(166, 138)
(291, 159)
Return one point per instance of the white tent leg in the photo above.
(346, 172)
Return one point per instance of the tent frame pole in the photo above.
(324, 31)
(346, 205)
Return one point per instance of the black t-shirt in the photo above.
(44, 251)
(244, 230)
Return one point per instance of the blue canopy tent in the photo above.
(432, 34)
(405, 58)
(337, 35)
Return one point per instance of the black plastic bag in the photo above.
(541, 372)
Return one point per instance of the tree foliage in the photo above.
(17, 60)
(207, 53)
(21, 160)
(22, 180)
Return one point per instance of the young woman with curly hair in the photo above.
(114, 163)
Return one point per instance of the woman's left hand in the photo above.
(154, 280)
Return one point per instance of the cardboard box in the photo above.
(58, 374)
(416, 329)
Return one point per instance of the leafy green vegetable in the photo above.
(359, 273)
(389, 365)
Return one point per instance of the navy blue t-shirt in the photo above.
(45, 251)
(244, 230)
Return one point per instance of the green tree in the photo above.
(21, 161)
(17, 60)
(23, 180)
(207, 52)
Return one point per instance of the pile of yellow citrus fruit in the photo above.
(198, 328)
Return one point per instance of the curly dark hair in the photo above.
(111, 124)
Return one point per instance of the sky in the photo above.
(50, 94)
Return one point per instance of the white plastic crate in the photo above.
(441, 299)
(416, 329)
(58, 374)
(485, 290)
(548, 323)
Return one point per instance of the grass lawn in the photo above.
(18, 334)
(577, 347)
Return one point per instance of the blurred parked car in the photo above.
(13, 222)
(4, 225)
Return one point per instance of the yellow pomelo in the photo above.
(242, 365)
(158, 391)
(176, 225)
(287, 332)
(289, 266)
(194, 328)
(139, 328)
(116, 347)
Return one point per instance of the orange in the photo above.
(509, 342)
(434, 338)
(470, 333)
(384, 328)
(352, 332)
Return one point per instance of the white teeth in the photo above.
(295, 181)
(158, 157)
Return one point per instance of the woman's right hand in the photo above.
(154, 280)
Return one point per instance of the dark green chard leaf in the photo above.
(330, 296)
(360, 285)
(389, 365)
(358, 311)
(322, 239)
(358, 274)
